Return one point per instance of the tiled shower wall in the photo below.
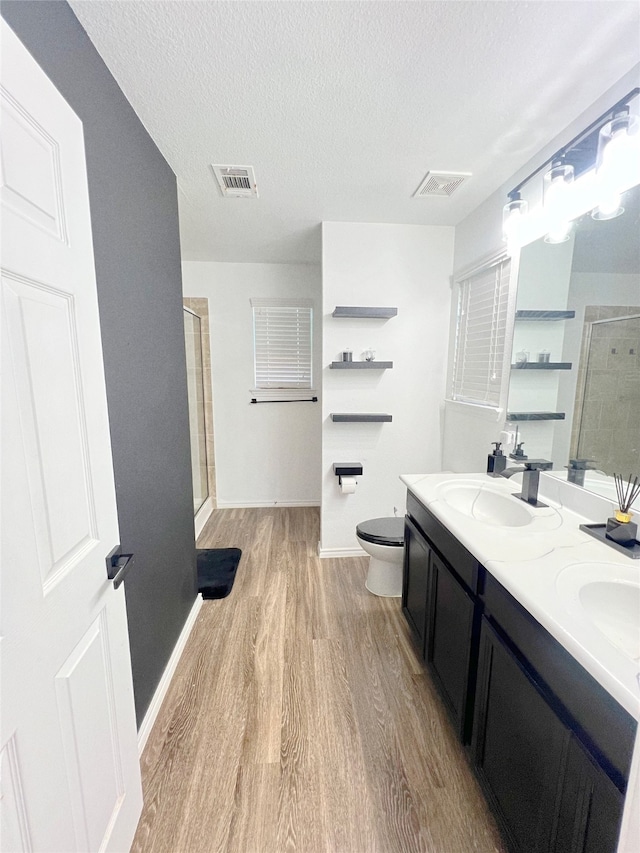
(200, 306)
(606, 423)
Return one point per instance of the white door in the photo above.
(70, 770)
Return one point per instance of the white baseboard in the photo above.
(167, 675)
(257, 504)
(328, 553)
(202, 516)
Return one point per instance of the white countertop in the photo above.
(543, 564)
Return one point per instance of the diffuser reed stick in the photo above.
(620, 528)
(627, 493)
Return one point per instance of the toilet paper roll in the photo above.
(348, 485)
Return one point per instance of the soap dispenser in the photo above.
(519, 453)
(496, 461)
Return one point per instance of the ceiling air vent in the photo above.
(236, 181)
(440, 183)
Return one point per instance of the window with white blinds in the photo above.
(481, 335)
(282, 337)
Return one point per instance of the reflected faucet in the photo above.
(577, 469)
(530, 479)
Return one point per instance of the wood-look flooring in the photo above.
(300, 717)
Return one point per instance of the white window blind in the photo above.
(282, 332)
(481, 335)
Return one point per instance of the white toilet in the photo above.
(383, 540)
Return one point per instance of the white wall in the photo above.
(267, 453)
(477, 236)
(409, 267)
(544, 273)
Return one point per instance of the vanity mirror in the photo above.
(574, 389)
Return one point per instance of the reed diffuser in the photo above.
(620, 527)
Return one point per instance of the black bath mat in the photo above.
(217, 571)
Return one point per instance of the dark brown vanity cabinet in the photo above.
(451, 616)
(590, 808)
(518, 746)
(415, 581)
(442, 610)
(551, 748)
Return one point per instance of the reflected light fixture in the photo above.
(512, 213)
(618, 149)
(609, 207)
(556, 184)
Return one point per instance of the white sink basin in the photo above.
(484, 504)
(608, 595)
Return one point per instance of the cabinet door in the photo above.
(519, 747)
(415, 580)
(591, 807)
(449, 641)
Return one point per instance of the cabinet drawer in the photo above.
(459, 559)
(604, 727)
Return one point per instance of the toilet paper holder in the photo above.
(346, 469)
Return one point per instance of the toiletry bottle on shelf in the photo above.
(496, 461)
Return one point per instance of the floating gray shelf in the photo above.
(545, 315)
(543, 365)
(363, 312)
(361, 365)
(344, 417)
(535, 416)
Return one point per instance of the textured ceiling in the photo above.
(342, 107)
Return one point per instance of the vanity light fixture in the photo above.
(556, 184)
(604, 159)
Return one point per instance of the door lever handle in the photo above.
(118, 565)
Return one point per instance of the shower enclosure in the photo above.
(607, 417)
(197, 419)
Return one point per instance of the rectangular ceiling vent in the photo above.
(440, 183)
(236, 181)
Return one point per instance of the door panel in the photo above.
(519, 747)
(33, 193)
(67, 730)
(43, 352)
(591, 807)
(449, 639)
(15, 829)
(415, 581)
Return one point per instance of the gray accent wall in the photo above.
(134, 215)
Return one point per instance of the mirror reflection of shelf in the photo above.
(535, 416)
(545, 315)
(344, 417)
(361, 365)
(358, 311)
(542, 365)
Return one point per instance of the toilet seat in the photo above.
(382, 531)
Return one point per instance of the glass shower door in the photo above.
(608, 431)
(195, 389)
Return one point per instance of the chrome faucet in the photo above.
(530, 479)
(509, 472)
